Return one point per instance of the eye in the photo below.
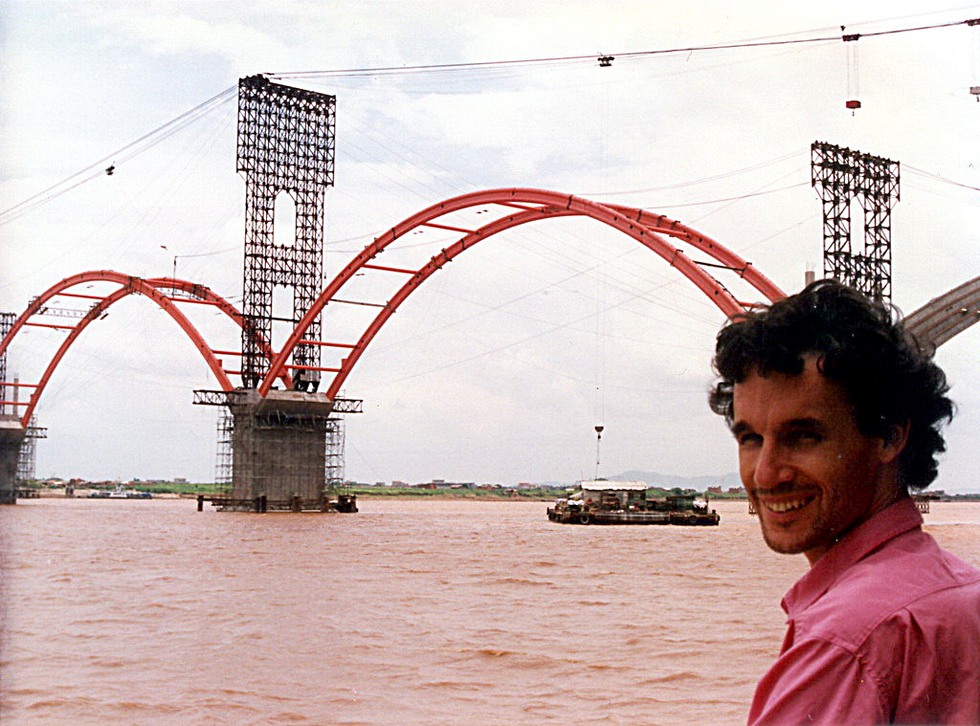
(804, 437)
(748, 439)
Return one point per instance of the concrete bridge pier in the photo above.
(11, 438)
(278, 449)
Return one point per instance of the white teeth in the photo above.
(786, 506)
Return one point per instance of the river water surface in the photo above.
(409, 612)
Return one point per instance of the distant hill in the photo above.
(669, 481)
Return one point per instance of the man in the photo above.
(836, 413)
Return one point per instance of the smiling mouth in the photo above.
(787, 505)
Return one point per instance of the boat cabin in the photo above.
(606, 494)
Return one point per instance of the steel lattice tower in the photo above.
(6, 323)
(840, 175)
(285, 145)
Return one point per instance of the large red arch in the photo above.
(524, 206)
(156, 289)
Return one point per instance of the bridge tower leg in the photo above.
(278, 441)
(12, 432)
(11, 439)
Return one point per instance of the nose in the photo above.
(771, 467)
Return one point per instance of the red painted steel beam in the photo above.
(38, 302)
(52, 326)
(389, 269)
(664, 225)
(448, 228)
(207, 295)
(79, 295)
(540, 204)
(327, 343)
(649, 239)
(128, 285)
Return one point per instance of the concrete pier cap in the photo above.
(287, 403)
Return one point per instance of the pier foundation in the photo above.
(279, 456)
(11, 439)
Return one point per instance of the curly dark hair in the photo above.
(889, 378)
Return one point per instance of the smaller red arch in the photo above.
(153, 289)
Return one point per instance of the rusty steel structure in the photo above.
(285, 146)
(842, 176)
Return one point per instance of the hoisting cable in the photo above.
(107, 164)
(396, 70)
(598, 442)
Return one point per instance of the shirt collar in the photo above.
(892, 521)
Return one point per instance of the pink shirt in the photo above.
(885, 628)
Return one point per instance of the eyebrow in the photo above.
(804, 423)
(808, 422)
(739, 428)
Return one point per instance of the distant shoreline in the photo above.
(407, 493)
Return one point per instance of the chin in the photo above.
(777, 544)
(785, 543)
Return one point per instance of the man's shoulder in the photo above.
(909, 577)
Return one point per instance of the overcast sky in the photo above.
(500, 365)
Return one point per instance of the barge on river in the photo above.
(625, 502)
(119, 492)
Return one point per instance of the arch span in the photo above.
(947, 315)
(520, 206)
(163, 291)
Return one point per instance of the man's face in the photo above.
(811, 474)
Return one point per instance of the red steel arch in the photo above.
(528, 205)
(152, 288)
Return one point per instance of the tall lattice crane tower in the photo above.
(285, 146)
(842, 176)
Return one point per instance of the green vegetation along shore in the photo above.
(489, 492)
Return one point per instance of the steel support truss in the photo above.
(840, 176)
(204, 397)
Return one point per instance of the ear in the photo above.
(894, 441)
